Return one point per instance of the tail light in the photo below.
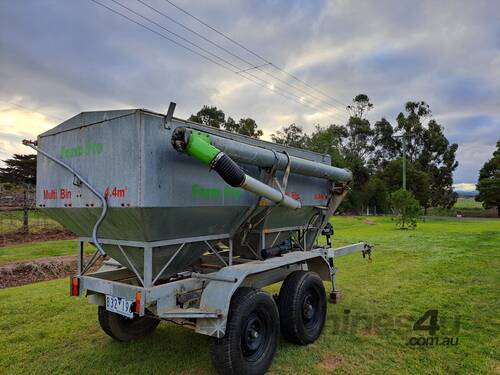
(74, 287)
(137, 302)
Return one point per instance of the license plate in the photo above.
(119, 305)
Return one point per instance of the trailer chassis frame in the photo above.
(202, 300)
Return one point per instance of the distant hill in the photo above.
(466, 194)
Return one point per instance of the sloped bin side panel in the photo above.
(161, 255)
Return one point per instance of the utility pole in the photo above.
(403, 139)
(404, 161)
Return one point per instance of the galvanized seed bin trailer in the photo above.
(192, 222)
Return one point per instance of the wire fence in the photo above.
(21, 221)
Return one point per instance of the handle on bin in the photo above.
(104, 211)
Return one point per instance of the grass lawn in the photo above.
(468, 204)
(448, 265)
(34, 250)
(12, 221)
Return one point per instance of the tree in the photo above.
(411, 126)
(359, 133)
(489, 182)
(417, 181)
(354, 141)
(328, 140)
(386, 146)
(358, 142)
(376, 195)
(348, 145)
(361, 105)
(406, 208)
(426, 147)
(291, 135)
(245, 126)
(437, 158)
(210, 116)
(20, 169)
(231, 125)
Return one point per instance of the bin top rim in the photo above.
(89, 118)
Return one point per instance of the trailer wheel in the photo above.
(302, 307)
(252, 334)
(124, 329)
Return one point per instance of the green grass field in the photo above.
(12, 221)
(468, 204)
(448, 265)
(36, 250)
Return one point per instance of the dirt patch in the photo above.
(495, 367)
(369, 222)
(31, 271)
(490, 213)
(15, 238)
(331, 362)
(368, 333)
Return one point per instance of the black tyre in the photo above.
(252, 335)
(302, 307)
(122, 328)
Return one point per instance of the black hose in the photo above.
(228, 170)
(274, 251)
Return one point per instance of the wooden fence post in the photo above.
(26, 229)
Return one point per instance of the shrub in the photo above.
(406, 208)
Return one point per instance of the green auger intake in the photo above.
(198, 145)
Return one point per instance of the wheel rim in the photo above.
(255, 336)
(311, 309)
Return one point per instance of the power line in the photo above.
(178, 36)
(161, 35)
(218, 32)
(254, 53)
(238, 70)
(308, 85)
(252, 66)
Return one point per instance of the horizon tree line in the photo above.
(373, 152)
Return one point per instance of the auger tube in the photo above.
(198, 145)
(245, 153)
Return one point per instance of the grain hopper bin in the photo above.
(191, 221)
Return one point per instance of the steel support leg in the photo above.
(335, 294)
(148, 267)
(79, 259)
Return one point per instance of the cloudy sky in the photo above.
(61, 57)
